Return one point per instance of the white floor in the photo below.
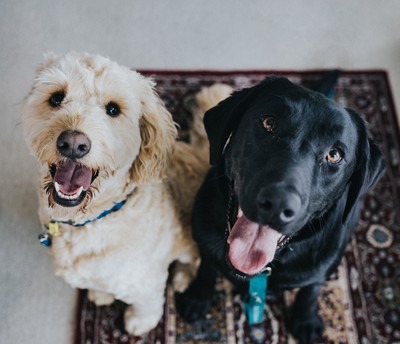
(36, 307)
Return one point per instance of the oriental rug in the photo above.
(360, 303)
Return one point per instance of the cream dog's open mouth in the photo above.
(71, 182)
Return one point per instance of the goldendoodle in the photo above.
(116, 188)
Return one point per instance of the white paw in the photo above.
(138, 325)
(181, 281)
(183, 274)
(100, 298)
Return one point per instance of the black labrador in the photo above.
(289, 169)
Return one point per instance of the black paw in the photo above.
(307, 329)
(190, 308)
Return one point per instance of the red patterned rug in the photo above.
(361, 302)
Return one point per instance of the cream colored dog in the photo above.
(116, 188)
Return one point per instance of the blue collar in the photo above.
(116, 207)
(52, 228)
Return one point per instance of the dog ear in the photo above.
(49, 58)
(158, 134)
(222, 120)
(369, 169)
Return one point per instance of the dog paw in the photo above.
(181, 281)
(191, 309)
(306, 329)
(183, 274)
(139, 324)
(100, 298)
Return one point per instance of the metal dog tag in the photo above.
(54, 228)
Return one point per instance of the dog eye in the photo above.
(269, 123)
(334, 156)
(56, 99)
(112, 109)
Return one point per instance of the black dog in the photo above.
(289, 168)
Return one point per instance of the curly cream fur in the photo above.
(134, 156)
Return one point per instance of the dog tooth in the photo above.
(67, 197)
(57, 187)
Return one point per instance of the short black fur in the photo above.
(286, 179)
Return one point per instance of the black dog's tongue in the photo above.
(71, 176)
(251, 245)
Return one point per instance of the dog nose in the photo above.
(278, 205)
(73, 144)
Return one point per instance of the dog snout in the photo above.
(278, 205)
(73, 144)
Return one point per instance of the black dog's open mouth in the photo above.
(241, 275)
(251, 246)
(71, 182)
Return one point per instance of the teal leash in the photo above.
(256, 297)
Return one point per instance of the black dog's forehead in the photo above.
(304, 114)
(299, 106)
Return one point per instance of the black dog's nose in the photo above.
(73, 144)
(278, 205)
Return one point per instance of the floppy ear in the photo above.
(223, 119)
(158, 134)
(370, 165)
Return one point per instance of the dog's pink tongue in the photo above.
(71, 176)
(251, 245)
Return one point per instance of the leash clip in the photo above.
(267, 270)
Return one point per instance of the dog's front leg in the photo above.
(194, 303)
(144, 314)
(305, 323)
